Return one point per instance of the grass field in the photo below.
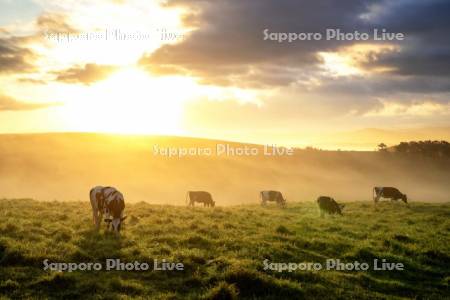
(223, 250)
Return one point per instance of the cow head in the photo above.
(404, 198)
(116, 207)
(213, 203)
(341, 208)
(117, 223)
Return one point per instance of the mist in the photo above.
(66, 166)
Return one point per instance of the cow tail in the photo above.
(186, 197)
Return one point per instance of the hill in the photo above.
(368, 138)
(226, 252)
(65, 166)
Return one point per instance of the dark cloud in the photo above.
(86, 74)
(227, 46)
(14, 56)
(8, 103)
(426, 51)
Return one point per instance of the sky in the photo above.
(209, 69)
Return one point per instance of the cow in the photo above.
(200, 197)
(108, 201)
(329, 205)
(272, 196)
(388, 192)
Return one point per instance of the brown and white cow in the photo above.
(108, 201)
(329, 205)
(200, 197)
(388, 192)
(272, 196)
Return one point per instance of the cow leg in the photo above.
(321, 213)
(100, 219)
(95, 212)
(95, 219)
(377, 198)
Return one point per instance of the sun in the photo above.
(131, 102)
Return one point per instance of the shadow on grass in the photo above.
(417, 278)
(98, 246)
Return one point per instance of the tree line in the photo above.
(436, 149)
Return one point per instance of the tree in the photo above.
(382, 147)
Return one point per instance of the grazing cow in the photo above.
(272, 196)
(329, 205)
(200, 197)
(388, 192)
(108, 201)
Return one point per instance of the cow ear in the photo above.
(342, 206)
(123, 218)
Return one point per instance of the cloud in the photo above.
(86, 74)
(426, 51)
(415, 108)
(227, 45)
(14, 56)
(31, 80)
(8, 103)
(380, 85)
(16, 47)
(55, 22)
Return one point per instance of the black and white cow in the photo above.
(272, 196)
(200, 197)
(388, 192)
(108, 201)
(329, 205)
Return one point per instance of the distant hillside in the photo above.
(65, 166)
(367, 139)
